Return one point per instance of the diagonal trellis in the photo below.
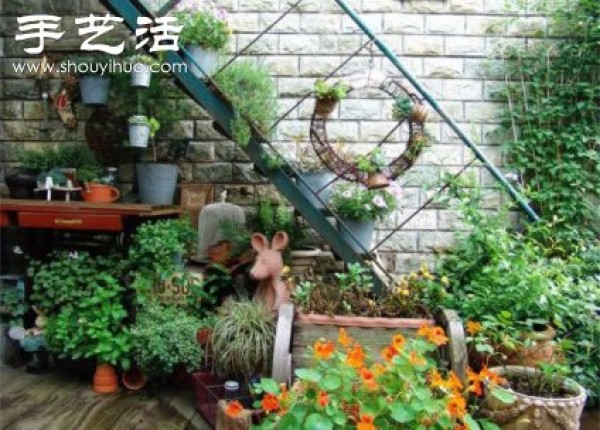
(285, 177)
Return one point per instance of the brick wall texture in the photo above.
(445, 44)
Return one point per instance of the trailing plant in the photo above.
(251, 91)
(356, 202)
(70, 277)
(93, 326)
(345, 388)
(203, 24)
(164, 337)
(554, 115)
(242, 339)
(325, 91)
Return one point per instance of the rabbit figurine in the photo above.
(267, 269)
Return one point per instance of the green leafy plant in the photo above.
(164, 337)
(373, 162)
(12, 303)
(72, 155)
(92, 326)
(203, 25)
(553, 114)
(402, 108)
(203, 296)
(356, 202)
(324, 91)
(251, 91)
(242, 339)
(69, 277)
(345, 388)
(158, 251)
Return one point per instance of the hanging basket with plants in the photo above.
(407, 108)
(327, 96)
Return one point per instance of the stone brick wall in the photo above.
(444, 43)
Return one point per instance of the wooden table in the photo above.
(58, 215)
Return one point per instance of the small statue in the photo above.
(268, 268)
(34, 343)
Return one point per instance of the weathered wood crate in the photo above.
(295, 332)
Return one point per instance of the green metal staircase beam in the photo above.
(222, 115)
(516, 195)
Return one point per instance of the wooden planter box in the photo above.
(295, 332)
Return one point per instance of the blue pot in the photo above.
(157, 182)
(94, 89)
(316, 181)
(361, 230)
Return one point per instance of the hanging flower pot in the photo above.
(377, 180)
(139, 131)
(318, 181)
(205, 61)
(140, 75)
(105, 379)
(324, 107)
(94, 89)
(419, 114)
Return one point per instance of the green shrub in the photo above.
(165, 337)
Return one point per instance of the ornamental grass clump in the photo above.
(347, 388)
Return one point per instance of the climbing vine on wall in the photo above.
(553, 94)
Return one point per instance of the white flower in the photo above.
(347, 194)
(379, 202)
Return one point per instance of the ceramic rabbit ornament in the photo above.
(267, 269)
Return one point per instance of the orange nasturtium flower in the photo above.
(415, 359)
(234, 409)
(356, 356)
(453, 383)
(368, 378)
(323, 399)
(344, 339)
(270, 402)
(435, 379)
(324, 350)
(388, 353)
(366, 422)
(457, 406)
(473, 327)
(434, 335)
(398, 342)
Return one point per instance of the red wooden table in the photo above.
(77, 215)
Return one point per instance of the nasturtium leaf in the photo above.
(488, 425)
(270, 386)
(318, 422)
(401, 413)
(330, 383)
(310, 375)
(289, 422)
(471, 423)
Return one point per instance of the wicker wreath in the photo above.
(416, 142)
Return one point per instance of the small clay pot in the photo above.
(105, 379)
(134, 379)
(324, 107)
(419, 114)
(377, 180)
(100, 193)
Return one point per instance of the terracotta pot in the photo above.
(134, 379)
(532, 412)
(377, 180)
(324, 107)
(100, 193)
(105, 379)
(203, 336)
(419, 114)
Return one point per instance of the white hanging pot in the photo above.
(206, 58)
(139, 131)
(140, 75)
